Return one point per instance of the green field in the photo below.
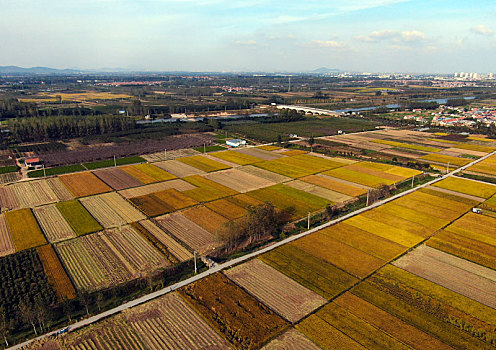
(8, 169)
(209, 148)
(57, 170)
(110, 162)
(78, 217)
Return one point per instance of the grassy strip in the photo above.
(9, 169)
(78, 217)
(209, 148)
(110, 162)
(56, 170)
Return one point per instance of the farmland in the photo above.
(207, 190)
(226, 208)
(237, 157)
(239, 180)
(78, 217)
(147, 173)
(486, 167)
(84, 184)
(177, 184)
(299, 165)
(473, 188)
(117, 178)
(24, 229)
(334, 185)
(240, 318)
(277, 291)
(291, 339)
(203, 163)
(27, 194)
(178, 168)
(53, 223)
(57, 277)
(162, 202)
(206, 218)
(6, 245)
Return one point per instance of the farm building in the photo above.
(33, 162)
(235, 143)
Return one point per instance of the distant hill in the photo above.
(35, 70)
(324, 70)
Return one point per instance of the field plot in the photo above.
(264, 174)
(291, 340)
(310, 271)
(338, 186)
(325, 335)
(288, 198)
(78, 217)
(108, 258)
(102, 212)
(177, 200)
(408, 146)
(300, 165)
(188, 232)
(269, 147)
(358, 177)
(487, 166)
(8, 198)
(27, 194)
(173, 154)
(333, 196)
(388, 323)
(59, 189)
(466, 186)
(175, 248)
(279, 292)
(236, 157)
(450, 317)
(170, 323)
(227, 209)
(56, 274)
(244, 201)
(53, 224)
(117, 178)
(207, 190)
(292, 152)
(84, 184)
(162, 202)
(178, 168)
(443, 159)
(448, 270)
(122, 207)
(177, 184)
(261, 153)
(9, 177)
(206, 218)
(24, 229)
(239, 180)
(361, 168)
(347, 258)
(203, 163)
(147, 173)
(6, 245)
(240, 318)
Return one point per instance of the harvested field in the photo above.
(443, 159)
(279, 292)
(6, 245)
(78, 217)
(239, 180)
(84, 184)
(473, 188)
(310, 271)
(24, 229)
(452, 195)
(170, 323)
(358, 177)
(207, 190)
(203, 163)
(374, 172)
(59, 189)
(175, 248)
(326, 182)
(298, 166)
(56, 274)
(147, 173)
(448, 270)
(53, 223)
(9, 177)
(333, 196)
(125, 210)
(227, 209)
(477, 148)
(188, 232)
(367, 242)
(27, 194)
(177, 200)
(347, 258)
(392, 209)
(109, 258)
(151, 205)
(379, 228)
(240, 318)
(388, 323)
(236, 157)
(487, 166)
(260, 153)
(291, 340)
(102, 212)
(397, 221)
(177, 184)
(269, 148)
(325, 335)
(172, 154)
(435, 210)
(264, 174)
(407, 145)
(206, 218)
(178, 168)
(117, 178)
(476, 227)
(244, 201)
(292, 152)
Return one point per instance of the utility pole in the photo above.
(196, 270)
(44, 170)
(165, 154)
(289, 87)
(447, 168)
(308, 224)
(204, 149)
(368, 192)
(413, 178)
(115, 161)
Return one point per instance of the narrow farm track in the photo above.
(244, 258)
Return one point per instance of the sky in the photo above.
(416, 36)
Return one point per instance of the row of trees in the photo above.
(50, 128)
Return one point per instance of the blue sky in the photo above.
(259, 35)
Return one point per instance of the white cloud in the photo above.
(482, 30)
(378, 36)
(329, 43)
(245, 42)
(393, 36)
(412, 36)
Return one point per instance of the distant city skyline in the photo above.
(417, 36)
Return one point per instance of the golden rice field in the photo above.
(486, 166)
(206, 218)
(299, 165)
(203, 163)
(407, 145)
(84, 184)
(358, 177)
(227, 209)
(207, 190)
(236, 157)
(473, 188)
(56, 273)
(177, 184)
(147, 173)
(443, 159)
(24, 229)
(334, 185)
(291, 339)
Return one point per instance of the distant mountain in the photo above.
(324, 70)
(35, 70)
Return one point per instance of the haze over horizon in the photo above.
(273, 35)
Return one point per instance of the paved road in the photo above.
(241, 259)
